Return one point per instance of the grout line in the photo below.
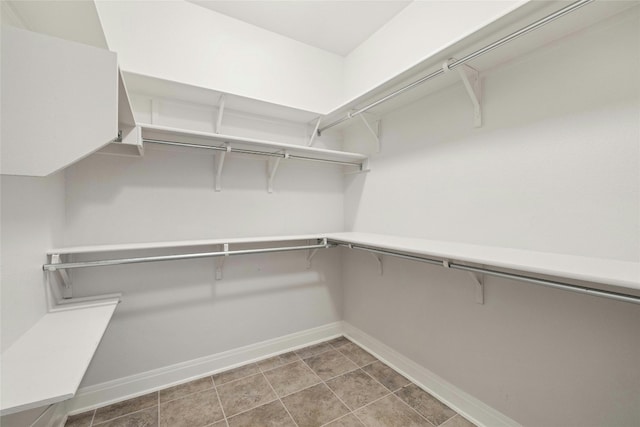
(252, 408)
(121, 416)
(183, 396)
(456, 415)
(280, 400)
(238, 379)
(341, 417)
(158, 407)
(93, 417)
(279, 366)
(414, 410)
(224, 416)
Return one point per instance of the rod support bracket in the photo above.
(471, 79)
(478, 279)
(219, 164)
(378, 258)
(272, 168)
(373, 127)
(220, 261)
(221, 103)
(315, 133)
(65, 278)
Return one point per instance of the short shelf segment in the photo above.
(47, 363)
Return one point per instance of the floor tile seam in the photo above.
(315, 354)
(280, 400)
(185, 395)
(253, 407)
(124, 415)
(379, 382)
(341, 374)
(279, 366)
(371, 403)
(414, 410)
(224, 415)
(456, 415)
(302, 389)
(158, 408)
(345, 404)
(238, 379)
(341, 417)
(93, 417)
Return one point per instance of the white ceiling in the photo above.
(337, 26)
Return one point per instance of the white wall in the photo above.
(186, 43)
(176, 311)
(419, 31)
(555, 168)
(31, 222)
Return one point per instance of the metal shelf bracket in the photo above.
(272, 168)
(314, 133)
(479, 282)
(378, 258)
(67, 289)
(312, 252)
(471, 79)
(219, 159)
(220, 113)
(374, 129)
(220, 262)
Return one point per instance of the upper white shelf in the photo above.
(596, 270)
(194, 137)
(178, 244)
(47, 363)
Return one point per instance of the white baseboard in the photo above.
(466, 405)
(98, 395)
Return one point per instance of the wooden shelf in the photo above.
(597, 270)
(47, 363)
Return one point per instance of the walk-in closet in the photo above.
(310, 213)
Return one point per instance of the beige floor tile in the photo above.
(126, 407)
(356, 389)
(387, 376)
(80, 420)
(346, 421)
(291, 378)
(235, 374)
(428, 406)
(270, 415)
(390, 412)
(314, 406)
(182, 390)
(356, 354)
(195, 410)
(458, 421)
(313, 350)
(145, 418)
(337, 342)
(330, 364)
(244, 394)
(278, 361)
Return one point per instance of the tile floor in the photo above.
(334, 383)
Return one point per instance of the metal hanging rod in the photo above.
(531, 27)
(85, 264)
(251, 152)
(528, 279)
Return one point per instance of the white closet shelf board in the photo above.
(47, 363)
(624, 274)
(166, 89)
(207, 138)
(544, 37)
(179, 244)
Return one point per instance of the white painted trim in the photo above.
(466, 405)
(99, 395)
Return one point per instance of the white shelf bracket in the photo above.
(67, 289)
(219, 164)
(272, 168)
(378, 258)
(220, 262)
(479, 282)
(314, 133)
(373, 128)
(471, 79)
(312, 252)
(220, 113)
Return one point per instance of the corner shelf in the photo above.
(46, 364)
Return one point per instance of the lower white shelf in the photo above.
(47, 363)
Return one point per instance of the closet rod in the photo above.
(528, 279)
(84, 264)
(245, 151)
(531, 27)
